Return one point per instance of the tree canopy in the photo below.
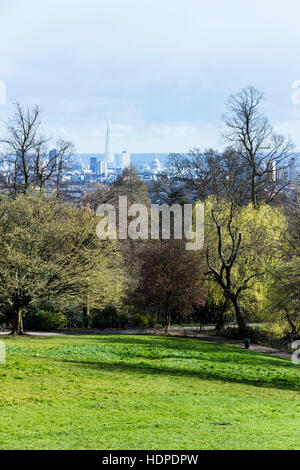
(49, 252)
(243, 247)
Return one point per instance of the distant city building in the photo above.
(155, 166)
(143, 167)
(136, 159)
(93, 165)
(109, 156)
(125, 159)
(102, 168)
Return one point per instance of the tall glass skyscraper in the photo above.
(109, 156)
(93, 164)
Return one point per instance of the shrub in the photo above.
(3, 321)
(140, 321)
(122, 320)
(44, 320)
(109, 318)
(99, 321)
(75, 318)
(151, 322)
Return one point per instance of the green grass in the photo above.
(140, 392)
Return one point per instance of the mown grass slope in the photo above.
(140, 392)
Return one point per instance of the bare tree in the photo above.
(265, 153)
(168, 190)
(50, 166)
(27, 153)
(201, 174)
(171, 282)
(21, 143)
(64, 151)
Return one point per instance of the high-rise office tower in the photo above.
(102, 168)
(125, 159)
(93, 164)
(109, 156)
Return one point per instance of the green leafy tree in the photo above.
(127, 184)
(284, 295)
(50, 253)
(243, 246)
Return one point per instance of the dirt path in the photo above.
(186, 332)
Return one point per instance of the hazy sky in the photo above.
(160, 70)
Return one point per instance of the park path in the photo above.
(186, 332)
(253, 346)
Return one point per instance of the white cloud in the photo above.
(159, 69)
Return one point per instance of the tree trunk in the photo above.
(221, 318)
(18, 323)
(167, 322)
(253, 190)
(86, 316)
(240, 318)
(292, 325)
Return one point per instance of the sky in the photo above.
(160, 70)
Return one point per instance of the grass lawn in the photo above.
(141, 392)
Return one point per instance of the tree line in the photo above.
(248, 270)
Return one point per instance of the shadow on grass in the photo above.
(214, 375)
(262, 370)
(203, 347)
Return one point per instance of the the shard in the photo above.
(109, 156)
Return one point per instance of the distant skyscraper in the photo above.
(102, 168)
(93, 164)
(125, 159)
(109, 156)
